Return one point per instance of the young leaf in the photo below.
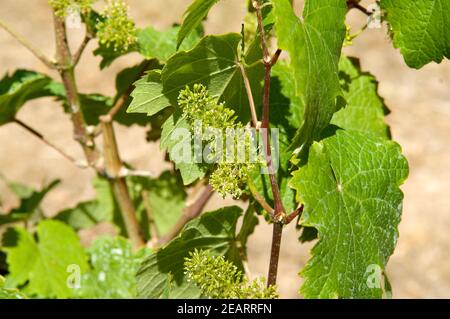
(43, 263)
(113, 273)
(90, 213)
(213, 63)
(193, 16)
(162, 45)
(350, 190)
(213, 231)
(9, 293)
(19, 88)
(314, 44)
(420, 29)
(365, 109)
(151, 44)
(84, 215)
(286, 107)
(92, 105)
(148, 96)
(166, 198)
(109, 55)
(176, 137)
(125, 84)
(249, 223)
(30, 200)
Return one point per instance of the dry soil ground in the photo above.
(420, 121)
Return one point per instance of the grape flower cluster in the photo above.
(116, 29)
(61, 7)
(219, 278)
(228, 177)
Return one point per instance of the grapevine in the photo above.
(276, 119)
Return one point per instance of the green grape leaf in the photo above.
(114, 267)
(19, 88)
(89, 213)
(307, 234)
(249, 223)
(350, 191)
(125, 84)
(126, 78)
(176, 137)
(148, 95)
(193, 16)
(420, 29)
(9, 293)
(314, 46)
(92, 105)
(109, 55)
(213, 63)
(91, 19)
(213, 231)
(151, 44)
(84, 215)
(163, 44)
(365, 109)
(165, 196)
(286, 106)
(95, 105)
(44, 263)
(107, 208)
(30, 200)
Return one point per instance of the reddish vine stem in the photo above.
(289, 218)
(354, 4)
(279, 213)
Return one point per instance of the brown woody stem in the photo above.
(113, 167)
(79, 53)
(44, 140)
(38, 53)
(66, 71)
